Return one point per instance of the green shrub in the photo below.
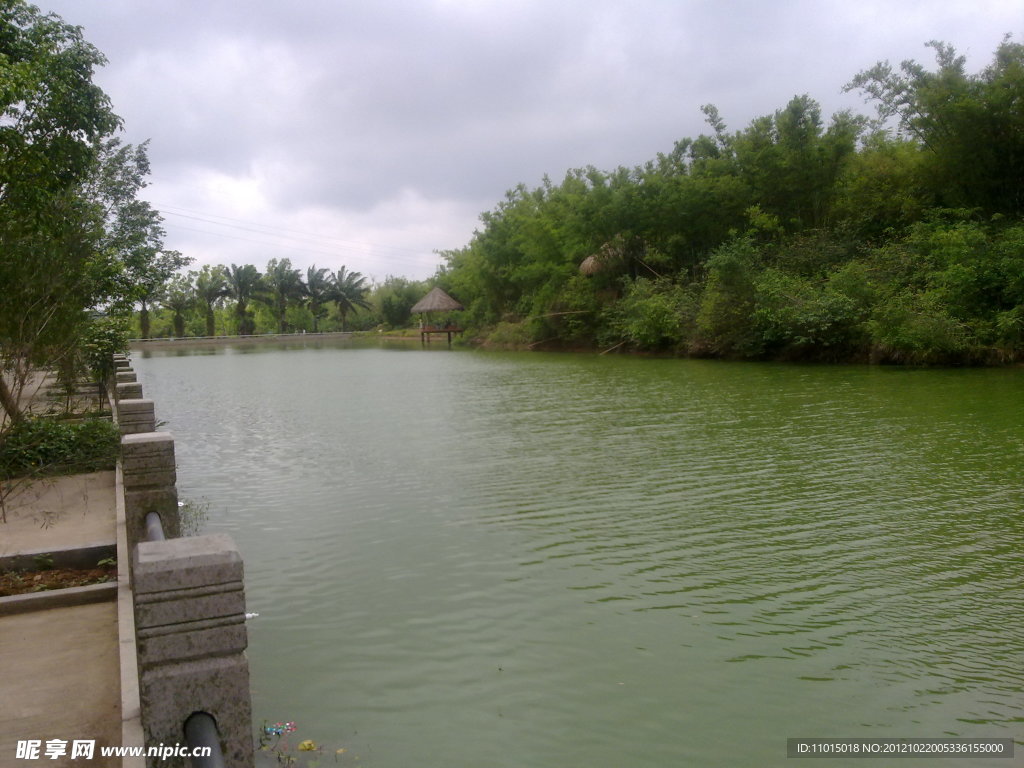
(723, 322)
(49, 447)
(101, 340)
(1010, 326)
(568, 311)
(510, 335)
(799, 315)
(653, 314)
(916, 328)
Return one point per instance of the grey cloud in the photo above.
(351, 103)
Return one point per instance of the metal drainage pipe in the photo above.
(154, 527)
(201, 731)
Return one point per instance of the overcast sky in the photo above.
(372, 133)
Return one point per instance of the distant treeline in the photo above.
(898, 238)
(240, 300)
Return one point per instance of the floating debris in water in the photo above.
(279, 729)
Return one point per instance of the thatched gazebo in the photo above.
(437, 301)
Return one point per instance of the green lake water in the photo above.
(532, 560)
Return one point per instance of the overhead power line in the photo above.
(227, 221)
(301, 248)
(282, 237)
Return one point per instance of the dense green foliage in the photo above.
(75, 241)
(240, 300)
(897, 238)
(46, 446)
(859, 239)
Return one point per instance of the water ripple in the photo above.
(559, 545)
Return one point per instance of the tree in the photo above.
(179, 298)
(319, 291)
(243, 283)
(211, 287)
(52, 111)
(880, 189)
(971, 126)
(51, 117)
(791, 163)
(48, 285)
(150, 281)
(132, 230)
(281, 285)
(74, 239)
(349, 293)
(723, 320)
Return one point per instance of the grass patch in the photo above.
(45, 446)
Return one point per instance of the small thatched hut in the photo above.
(436, 301)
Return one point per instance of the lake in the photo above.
(527, 559)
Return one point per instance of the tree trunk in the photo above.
(243, 325)
(9, 403)
(144, 320)
(211, 328)
(282, 324)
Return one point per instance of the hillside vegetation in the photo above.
(895, 238)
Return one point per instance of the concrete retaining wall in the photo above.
(188, 596)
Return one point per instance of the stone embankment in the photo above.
(263, 338)
(163, 645)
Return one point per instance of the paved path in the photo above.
(59, 667)
(60, 513)
(60, 679)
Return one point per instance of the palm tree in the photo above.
(243, 282)
(318, 293)
(179, 299)
(281, 284)
(148, 295)
(349, 293)
(211, 285)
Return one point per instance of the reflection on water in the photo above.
(541, 560)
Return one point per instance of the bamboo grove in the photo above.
(895, 238)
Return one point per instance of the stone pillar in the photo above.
(124, 375)
(147, 464)
(134, 416)
(190, 627)
(128, 390)
(121, 363)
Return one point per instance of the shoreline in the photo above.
(218, 340)
(266, 338)
(551, 345)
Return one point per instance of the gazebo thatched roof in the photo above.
(437, 301)
(606, 255)
(591, 265)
